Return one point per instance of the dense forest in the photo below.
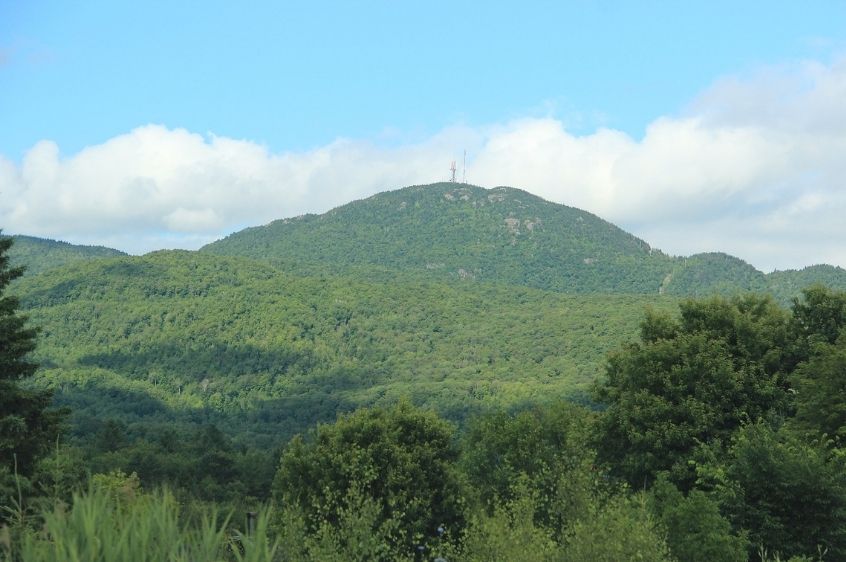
(283, 396)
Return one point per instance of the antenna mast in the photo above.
(452, 169)
(464, 168)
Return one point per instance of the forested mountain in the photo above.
(787, 284)
(458, 297)
(450, 231)
(39, 254)
(183, 335)
(457, 231)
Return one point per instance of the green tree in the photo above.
(403, 458)
(623, 529)
(27, 427)
(509, 532)
(820, 315)
(696, 531)
(819, 380)
(546, 448)
(820, 385)
(789, 494)
(691, 381)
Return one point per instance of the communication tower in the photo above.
(452, 169)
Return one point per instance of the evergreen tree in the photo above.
(27, 427)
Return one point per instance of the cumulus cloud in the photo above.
(754, 167)
(157, 187)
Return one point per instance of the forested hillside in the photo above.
(459, 232)
(187, 336)
(456, 231)
(428, 292)
(40, 254)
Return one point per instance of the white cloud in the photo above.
(754, 167)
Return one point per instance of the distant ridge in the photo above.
(41, 254)
(503, 235)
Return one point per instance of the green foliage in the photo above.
(461, 233)
(180, 339)
(623, 529)
(789, 494)
(702, 275)
(820, 385)
(17, 341)
(696, 531)
(360, 532)
(787, 286)
(28, 426)
(97, 527)
(819, 351)
(202, 462)
(122, 488)
(40, 254)
(546, 449)
(188, 368)
(509, 532)
(818, 318)
(691, 382)
(371, 302)
(59, 474)
(401, 458)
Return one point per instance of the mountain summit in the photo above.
(460, 231)
(452, 231)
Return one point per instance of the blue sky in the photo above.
(301, 95)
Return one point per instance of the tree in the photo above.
(819, 315)
(691, 381)
(623, 529)
(820, 385)
(696, 531)
(788, 493)
(546, 449)
(819, 380)
(27, 426)
(402, 458)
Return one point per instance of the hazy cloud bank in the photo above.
(755, 167)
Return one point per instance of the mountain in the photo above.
(459, 233)
(41, 254)
(703, 274)
(458, 297)
(785, 285)
(455, 231)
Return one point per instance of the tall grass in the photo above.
(99, 527)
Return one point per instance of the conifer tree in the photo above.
(27, 426)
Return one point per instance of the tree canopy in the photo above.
(690, 381)
(402, 458)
